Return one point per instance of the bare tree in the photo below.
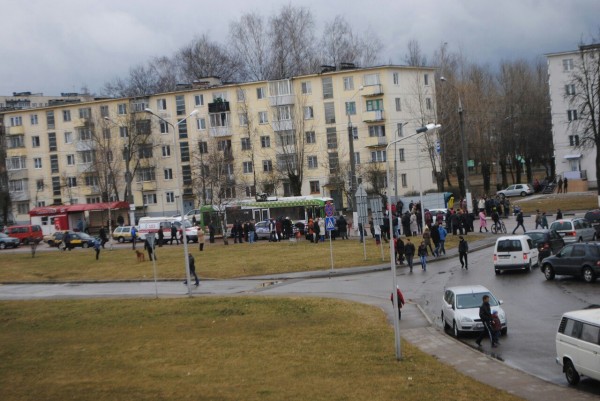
(415, 57)
(155, 77)
(204, 58)
(250, 42)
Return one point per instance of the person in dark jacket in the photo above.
(174, 234)
(342, 226)
(485, 314)
(422, 251)
(211, 233)
(161, 236)
(519, 222)
(435, 238)
(409, 252)
(192, 263)
(103, 237)
(149, 249)
(463, 249)
(399, 251)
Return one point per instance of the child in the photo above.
(496, 329)
(422, 252)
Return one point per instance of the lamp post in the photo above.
(392, 245)
(180, 190)
(463, 143)
(353, 185)
(396, 164)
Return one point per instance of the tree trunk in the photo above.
(486, 172)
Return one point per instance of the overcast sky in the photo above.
(54, 46)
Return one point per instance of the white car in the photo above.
(460, 309)
(516, 190)
(574, 230)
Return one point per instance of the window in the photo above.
(183, 129)
(250, 190)
(246, 145)
(168, 172)
(219, 119)
(70, 160)
(400, 130)
(39, 185)
(428, 103)
(87, 156)
(199, 100)
(241, 95)
(327, 84)
(103, 111)
(260, 92)
(280, 88)
(203, 147)
(314, 187)
(149, 199)
(22, 208)
(106, 133)
(310, 137)
(35, 141)
(396, 78)
(170, 197)
(286, 138)
(146, 174)
(354, 133)
(567, 64)
(283, 113)
(123, 132)
(287, 161)
(16, 185)
(401, 154)
(161, 104)
(403, 180)
(224, 145)
(306, 88)
(377, 130)
(71, 182)
(308, 113)
(312, 162)
(571, 115)
(68, 137)
(374, 105)
(371, 79)
(84, 134)
(122, 108)
(333, 162)
(91, 180)
(356, 157)
(180, 105)
(348, 83)
(166, 150)
(56, 186)
(66, 115)
(331, 138)
(15, 141)
(145, 151)
(426, 79)
(378, 156)
(34, 119)
(201, 122)
(570, 89)
(265, 141)
(398, 104)
(164, 127)
(37, 162)
(267, 166)
(263, 117)
(184, 147)
(16, 121)
(54, 164)
(247, 166)
(243, 119)
(573, 140)
(52, 141)
(329, 113)
(50, 119)
(351, 108)
(86, 112)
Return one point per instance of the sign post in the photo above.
(377, 213)
(363, 214)
(330, 226)
(150, 238)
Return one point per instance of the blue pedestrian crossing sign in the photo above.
(329, 223)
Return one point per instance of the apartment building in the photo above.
(28, 100)
(573, 161)
(275, 137)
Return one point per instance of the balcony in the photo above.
(21, 174)
(281, 100)
(372, 90)
(373, 116)
(90, 190)
(217, 132)
(16, 130)
(376, 142)
(282, 125)
(85, 168)
(85, 145)
(19, 196)
(148, 186)
(218, 107)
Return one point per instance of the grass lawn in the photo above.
(216, 261)
(215, 348)
(564, 202)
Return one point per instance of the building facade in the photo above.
(222, 142)
(573, 160)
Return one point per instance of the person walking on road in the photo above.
(174, 234)
(485, 313)
(558, 214)
(463, 249)
(443, 233)
(192, 270)
(409, 253)
(519, 222)
(496, 328)
(423, 255)
(400, 301)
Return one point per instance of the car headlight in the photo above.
(466, 319)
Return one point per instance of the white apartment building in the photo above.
(572, 161)
(66, 154)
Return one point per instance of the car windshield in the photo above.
(2, 235)
(536, 237)
(473, 300)
(561, 226)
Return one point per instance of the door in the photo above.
(187, 205)
(448, 307)
(562, 265)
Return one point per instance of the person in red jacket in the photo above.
(400, 301)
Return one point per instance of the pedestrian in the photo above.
(273, 231)
(463, 249)
(161, 236)
(565, 185)
(399, 251)
(485, 314)
(435, 237)
(316, 231)
(506, 207)
(400, 301)
(482, 221)
(558, 214)
(519, 222)
(372, 228)
(251, 231)
(211, 233)
(133, 237)
(496, 329)
(544, 220)
(422, 251)
(150, 249)
(496, 220)
(103, 237)
(443, 233)
(409, 252)
(322, 229)
(559, 185)
(342, 226)
(97, 245)
(427, 239)
(538, 219)
(174, 234)
(414, 227)
(200, 238)
(192, 264)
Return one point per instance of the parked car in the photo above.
(573, 230)
(122, 234)
(548, 242)
(580, 260)
(77, 239)
(460, 309)
(262, 230)
(56, 237)
(515, 252)
(516, 190)
(434, 213)
(8, 242)
(593, 217)
(25, 233)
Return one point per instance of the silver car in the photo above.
(574, 230)
(516, 190)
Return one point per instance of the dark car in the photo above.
(593, 217)
(582, 260)
(8, 242)
(77, 239)
(548, 242)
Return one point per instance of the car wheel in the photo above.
(2, 245)
(580, 239)
(548, 272)
(121, 240)
(523, 194)
(570, 373)
(455, 330)
(85, 245)
(529, 267)
(504, 331)
(497, 272)
(588, 274)
(446, 325)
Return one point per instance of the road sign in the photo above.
(376, 211)
(329, 209)
(329, 223)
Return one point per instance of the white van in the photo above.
(148, 225)
(514, 252)
(578, 344)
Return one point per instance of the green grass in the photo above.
(213, 348)
(564, 202)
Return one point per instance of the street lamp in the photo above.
(463, 142)
(392, 245)
(353, 185)
(180, 190)
(400, 126)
